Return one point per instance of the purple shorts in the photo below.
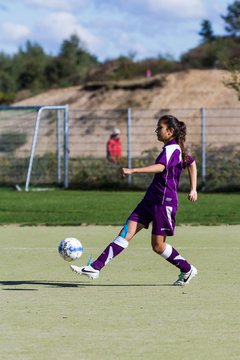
(161, 216)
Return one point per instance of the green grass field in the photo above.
(132, 311)
(107, 208)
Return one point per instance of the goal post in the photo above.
(61, 122)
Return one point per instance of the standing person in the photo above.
(114, 147)
(159, 204)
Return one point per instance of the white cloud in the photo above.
(13, 32)
(159, 9)
(65, 5)
(149, 27)
(110, 27)
(58, 26)
(182, 9)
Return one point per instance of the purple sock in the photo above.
(171, 255)
(112, 250)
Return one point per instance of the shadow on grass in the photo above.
(69, 284)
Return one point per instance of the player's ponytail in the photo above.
(182, 138)
(179, 131)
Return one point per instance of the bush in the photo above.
(222, 169)
(212, 54)
(92, 173)
(6, 98)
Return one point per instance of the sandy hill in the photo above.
(182, 94)
(190, 89)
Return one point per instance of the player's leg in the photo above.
(170, 254)
(139, 219)
(163, 225)
(119, 244)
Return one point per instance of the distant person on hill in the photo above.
(148, 73)
(114, 147)
(159, 205)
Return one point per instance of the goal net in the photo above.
(33, 146)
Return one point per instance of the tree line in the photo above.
(31, 70)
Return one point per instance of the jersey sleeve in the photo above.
(189, 160)
(170, 156)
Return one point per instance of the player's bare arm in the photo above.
(192, 172)
(156, 168)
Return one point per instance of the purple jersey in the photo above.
(163, 188)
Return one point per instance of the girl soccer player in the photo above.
(159, 204)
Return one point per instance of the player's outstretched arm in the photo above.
(192, 172)
(156, 168)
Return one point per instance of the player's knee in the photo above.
(155, 248)
(158, 248)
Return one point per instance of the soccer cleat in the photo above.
(185, 278)
(86, 270)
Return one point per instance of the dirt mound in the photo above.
(96, 109)
(190, 89)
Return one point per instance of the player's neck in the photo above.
(168, 140)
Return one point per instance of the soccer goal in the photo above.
(34, 146)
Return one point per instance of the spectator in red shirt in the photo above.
(114, 147)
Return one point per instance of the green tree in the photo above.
(212, 54)
(232, 19)
(206, 31)
(7, 83)
(28, 67)
(72, 63)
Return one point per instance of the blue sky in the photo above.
(110, 28)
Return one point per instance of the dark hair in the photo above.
(179, 131)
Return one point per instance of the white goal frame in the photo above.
(59, 109)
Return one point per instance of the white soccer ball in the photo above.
(70, 249)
